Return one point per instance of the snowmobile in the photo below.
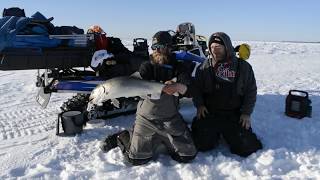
(66, 70)
(188, 46)
(202, 41)
(185, 39)
(64, 63)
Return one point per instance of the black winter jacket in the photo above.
(244, 88)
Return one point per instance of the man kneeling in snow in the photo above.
(225, 95)
(158, 121)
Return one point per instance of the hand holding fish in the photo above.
(172, 88)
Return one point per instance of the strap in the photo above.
(58, 124)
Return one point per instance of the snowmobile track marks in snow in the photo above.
(25, 122)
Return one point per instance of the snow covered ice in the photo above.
(29, 148)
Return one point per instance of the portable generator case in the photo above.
(298, 106)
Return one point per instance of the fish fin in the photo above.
(145, 97)
(136, 75)
(90, 106)
(115, 102)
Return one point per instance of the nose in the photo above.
(214, 48)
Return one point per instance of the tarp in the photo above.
(11, 26)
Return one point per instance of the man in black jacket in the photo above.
(159, 121)
(224, 94)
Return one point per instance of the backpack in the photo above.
(14, 11)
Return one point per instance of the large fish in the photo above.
(125, 86)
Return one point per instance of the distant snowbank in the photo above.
(272, 48)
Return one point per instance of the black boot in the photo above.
(109, 142)
(123, 141)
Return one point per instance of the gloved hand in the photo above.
(201, 112)
(245, 121)
(172, 88)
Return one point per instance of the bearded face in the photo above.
(218, 51)
(161, 56)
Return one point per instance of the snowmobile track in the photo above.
(25, 122)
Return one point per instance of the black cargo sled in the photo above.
(61, 57)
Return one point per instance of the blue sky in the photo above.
(277, 20)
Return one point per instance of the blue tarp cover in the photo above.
(11, 26)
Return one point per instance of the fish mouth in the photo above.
(105, 90)
(99, 94)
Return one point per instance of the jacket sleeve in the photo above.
(250, 93)
(146, 71)
(184, 71)
(195, 89)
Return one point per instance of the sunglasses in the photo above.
(158, 46)
(217, 40)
